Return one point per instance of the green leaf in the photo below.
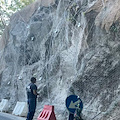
(7, 10)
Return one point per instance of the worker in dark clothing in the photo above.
(77, 114)
(32, 97)
(71, 116)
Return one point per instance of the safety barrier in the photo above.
(20, 109)
(47, 113)
(4, 105)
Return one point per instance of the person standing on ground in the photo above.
(32, 97)
(71, 116)
(77, 114)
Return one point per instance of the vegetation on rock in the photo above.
(7, 8)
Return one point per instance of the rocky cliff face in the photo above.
(71, 47)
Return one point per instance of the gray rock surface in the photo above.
(71, 48)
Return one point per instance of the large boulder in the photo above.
(71, 47)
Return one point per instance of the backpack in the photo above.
(28, 89)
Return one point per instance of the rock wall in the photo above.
(71, 47)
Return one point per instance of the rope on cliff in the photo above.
(96, 115)
(103, 3)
